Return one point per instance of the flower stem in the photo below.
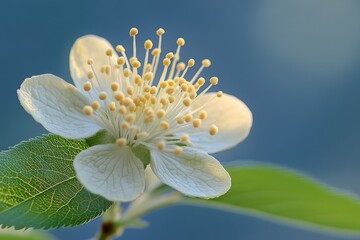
(109, 227)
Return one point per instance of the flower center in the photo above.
(136, 109)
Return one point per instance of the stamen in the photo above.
(88, 110)
(213, 130)
(103, 95)
(87, 86)
(96, 105)
(197, 123)
(203, 115)
(161, 145)
(184, 138)
(164, 125)
(178, 150)
(121, 142)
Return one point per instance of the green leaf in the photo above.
(280, 194)
(24, 235)
(39, 189)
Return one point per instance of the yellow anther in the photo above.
(95, 105)
(213, 130)
(201, 81)
(132, 107)
(147, 89)
(115, 86)
(169, 55)
(197, 123)
(127, 72)
(130, 90)
(160, 113)
(90, 75)
(192, 95)
(191, 88)
(112, 106)
(161, 145)
(148, 67)
(109, 52)
(88, 110)
(166, 62)
(170, 90)
(196, 86)
(191, 62)
(107, 70)
(187, 101)
(171, 99)
(90, 61)
(180, 42)
(153, 100)
(203, 115)
(102, 95)
(119, 96)
(148, 44)
(181, 66)
(178, 150)
(149, 119)
(133, 32)
(160, 31)
(206, 63)
(121, 61)
(153, 90)
(121, 142)
(182, 80)
(147, 96)
(214, 81)
(163, 84)
(87, 86)
(184, 87)
(148, 76)
(184, 138)
(171, 83)
(127, 101)
(120, 49)
(137, 80)
(155, 52)
(122, 110)
(180, 120)
(164, 125)
(130, 118)
(125, 125)
(188, 118)
(219, 94)
(142, 135)
(136, 64)
(163, 101)
(137, 101)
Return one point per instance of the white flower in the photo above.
(175, 118)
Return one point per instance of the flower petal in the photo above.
(232, 117)
(193, 172)
(57, 105)
(84, 48)
(111, 171)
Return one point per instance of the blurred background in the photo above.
(294, 62)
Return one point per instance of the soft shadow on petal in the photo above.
(232, 117)
(57, 105)
(111, 171)
(84, 48)
(194, 172)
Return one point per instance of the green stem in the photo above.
(109, 227)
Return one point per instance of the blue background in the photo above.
(295, 63)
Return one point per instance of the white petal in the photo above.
(232, 117)
(194, 172)
(57, 105)
(84, 48)
(111, 171)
